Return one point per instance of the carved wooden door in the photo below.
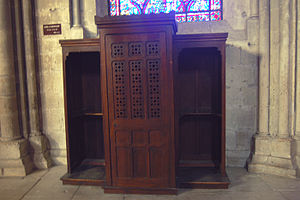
(138, 119)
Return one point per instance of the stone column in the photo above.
(10, 129)
(274, 62)
(284, 66)
(14, 160)
(75, 12)
(38, 142)
(273, 149)
(254, 8)
(260, 138)
(264, 62)
(297, 92)
(101, 8)
(262, 144)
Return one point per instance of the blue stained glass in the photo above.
(198, 5)
(159, 6)
(139, 4)
(128, 8)
(178, 5)
(186, 10)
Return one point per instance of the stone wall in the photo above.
(50, 62)
(240, 21)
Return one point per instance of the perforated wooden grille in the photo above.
(153, 48)
(136, 49)
(118, 50)
(153, 69)
(119, 80)
(129, 76)
(136, 78)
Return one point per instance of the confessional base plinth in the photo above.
(188, 177)
(126, 190)
(201, 178)
(89, 172)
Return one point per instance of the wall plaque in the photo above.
(52, 29)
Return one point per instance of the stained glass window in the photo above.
(186, 10)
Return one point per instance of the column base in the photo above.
(273, 155)
(14, 158)
(297, 141)
(59, 156)
(76, 32)
(40, 151)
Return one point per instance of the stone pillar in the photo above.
(262, 144)
(39, 144)
(254, 8)
(101, 8)
(14, 159)
(76, 29)
(76, 13)
(263, 94)
(273, 151)
(264, 62)
(284, 66)
(297, 93)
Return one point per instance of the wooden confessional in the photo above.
(144, 107)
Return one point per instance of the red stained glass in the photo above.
(216, 16)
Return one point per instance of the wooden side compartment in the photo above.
(200, 110)
(83, 113)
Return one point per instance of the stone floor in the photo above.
(43, 185)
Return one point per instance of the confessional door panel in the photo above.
(138, 119)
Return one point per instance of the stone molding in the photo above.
(14, 158)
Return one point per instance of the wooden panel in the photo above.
(139, 162)
(199, 105)
(123, 138)
(93, 137)
(124, 162)
(90, 77)
(197, 67)
(139, 110)
(158, 153)
(158, 138)
(197, 136)
(158, 163)
(140, 138)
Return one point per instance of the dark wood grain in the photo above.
(152, 110)
(199, 65)
(83, 111)
(137, 59)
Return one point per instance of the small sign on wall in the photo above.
(52, 29)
